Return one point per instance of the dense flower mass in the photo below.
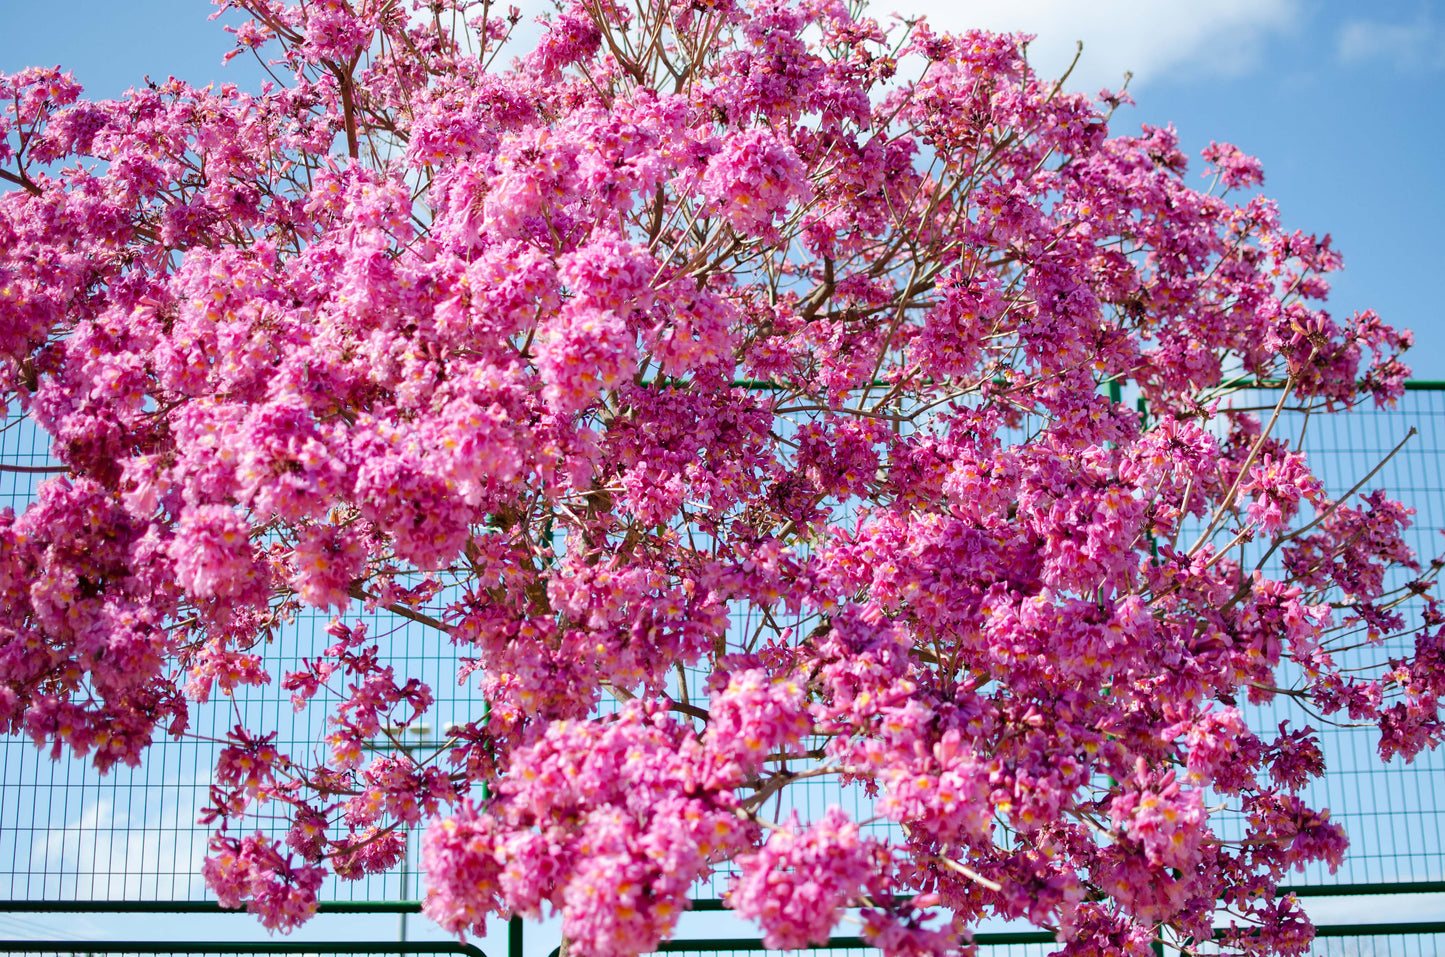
(738, 385)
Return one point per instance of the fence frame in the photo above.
(515, 925)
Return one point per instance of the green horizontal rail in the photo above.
(1010, 938)
(238, 947)
(1405, 929)
(194, 907)
(1399, 929)
(1005, 939)
(748, 945)
(753, 945)
(1364, 890)
(1244, 382)
(837, 943)
(704, 905)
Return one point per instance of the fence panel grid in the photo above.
(68, 834)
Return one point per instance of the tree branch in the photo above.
(360, 594)
(35, 469)
(22, 181)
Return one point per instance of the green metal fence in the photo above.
(73, 842)
(207, 948)
(1394, 813)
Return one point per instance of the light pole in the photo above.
(388, 742)
(392, 740)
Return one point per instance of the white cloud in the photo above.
(1151, 38)
(110, 852)
(1412, 46)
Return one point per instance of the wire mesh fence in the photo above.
(1393, 813)
(1417, 939)
(1402, 940)
(69, 834)
(63, 948)
(1420, 939)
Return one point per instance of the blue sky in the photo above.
(1341, 100)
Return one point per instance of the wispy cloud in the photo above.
(111, 852)
(1152, 38)
(1418, 45)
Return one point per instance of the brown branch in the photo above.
(690, 710)
(360, 594)
(22, 180)
(35, 469)
(348, 108)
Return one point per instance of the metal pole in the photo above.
(386, 742)
(405, 875)
(514, 936)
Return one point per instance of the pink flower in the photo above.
(1232, 166)
(753, 178)
(327, 560)
(1277, 485)
(213, 554)
(755, 716)
(798, 883)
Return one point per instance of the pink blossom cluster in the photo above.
(256, 873)
(608, 822)
(740, 409)
(797, 883)
(753, 178)
(753, 717)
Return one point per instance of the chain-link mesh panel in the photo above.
(67, 833)
(1425, 939)
(1393, 813)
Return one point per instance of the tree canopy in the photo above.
(738, 385)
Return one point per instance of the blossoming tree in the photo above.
(700, 312)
